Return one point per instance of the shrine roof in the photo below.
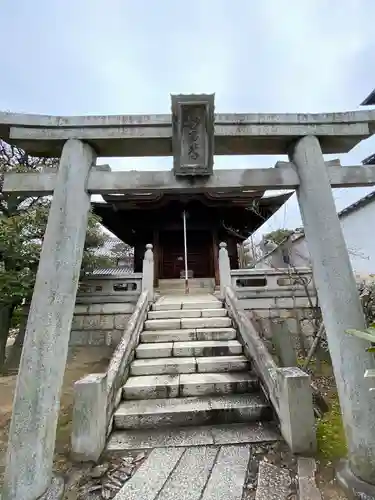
(124, 217)
(151, 135)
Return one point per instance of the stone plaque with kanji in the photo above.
(193, 134)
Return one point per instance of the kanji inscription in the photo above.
(193, 134)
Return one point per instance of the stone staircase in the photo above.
(189, 370)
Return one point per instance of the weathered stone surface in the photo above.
(32, 432)
(162, 324)
(148, 272)
(339, 302)
(224, 269)
(98, 337)
(89, 417)
(206, 323)
(152, 387)
(190, 411)
(120, 321)
(150, 336)
(110, 308)
(203, 384)
(107, 322)
(207, 348)
(78, 322)
(213, 313)
(206, 304)
(79, 338)
(192, 436)
(244, 433)
(288, 389)
(160, 306)
(151, 475)
(216, 333)
(118, 367)
(113, 337)
(55, 490)
(296, 410)
(92, 322)
(159, 350)
(353, 486)
(175, 313)
(163, 366)
(189, 478)
(306, 479)
(273, 483)
(229, 474)
(214, 364)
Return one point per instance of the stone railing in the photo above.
(110, 289)
(288, 389)
(97, 396)
(269, 288)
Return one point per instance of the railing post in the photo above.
(148, 272)
(224, 268)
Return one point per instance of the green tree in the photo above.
(22, 225)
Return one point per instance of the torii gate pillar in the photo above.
(36, 405)
(340, 304)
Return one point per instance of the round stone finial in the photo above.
(149, 246)
(223, 244)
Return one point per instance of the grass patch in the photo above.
(330, 433)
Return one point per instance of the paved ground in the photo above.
(194, 473)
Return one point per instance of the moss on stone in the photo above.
(330, 432)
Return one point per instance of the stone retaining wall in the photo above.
(99, 324)
(271, 296)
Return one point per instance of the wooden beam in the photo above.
(101, 182)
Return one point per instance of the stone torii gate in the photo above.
(192, 134)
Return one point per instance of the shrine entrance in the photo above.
(200, 258)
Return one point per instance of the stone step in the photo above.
(154, 413)
(190, 384)
(211, 364)
(163, 437)
(173, 303)
(186, 334)
(207, 384)
(187, 313)
(177, 323)
(207, 348)
(190, 348)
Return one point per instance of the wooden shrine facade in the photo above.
(138, 219)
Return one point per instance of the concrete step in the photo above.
(165, 366)
(186, 334)
(164, 437)
(187, 313)
(190, 384)
(177, 323)
(153, 413)
(190, 348)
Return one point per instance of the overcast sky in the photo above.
(77, 57)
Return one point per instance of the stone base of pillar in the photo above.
(354, 487)
(56, 489)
